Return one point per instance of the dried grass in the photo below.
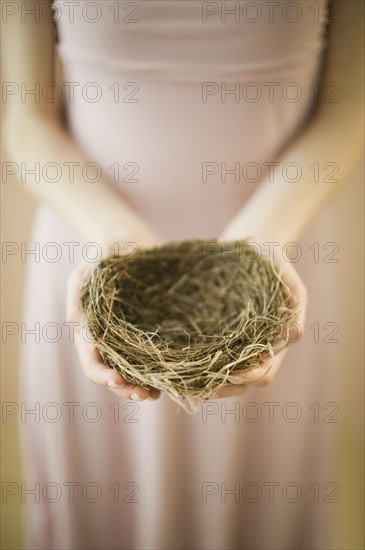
(185, 316)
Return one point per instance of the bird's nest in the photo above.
(185, 316)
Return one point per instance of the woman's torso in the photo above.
(184, 104)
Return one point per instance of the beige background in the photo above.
(17, 210)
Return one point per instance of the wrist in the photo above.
(119, 240)
(263, 228)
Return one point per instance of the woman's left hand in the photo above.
(263, 375)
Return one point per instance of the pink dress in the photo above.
(182, 107)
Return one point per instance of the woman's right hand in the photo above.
(91, 361)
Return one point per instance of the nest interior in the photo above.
(184, 316)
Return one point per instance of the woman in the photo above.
(183, 120)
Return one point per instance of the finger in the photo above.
(133, 391)
(93, 365)
(98, 372)
(230, 391)
(130, 391)
(74, 284)
(261, 375)
(154, 395)
(271, 367)
(298, 299)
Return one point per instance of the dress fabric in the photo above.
(152, 99)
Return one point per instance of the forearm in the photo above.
(94, 209)
(325, 156)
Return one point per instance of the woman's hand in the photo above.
(263, 375)
(91, 361)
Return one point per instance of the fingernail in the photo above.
(256, 373)
(115, 386)
(279, 344)
(237, 380)
(150, 398)
(136, 397)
